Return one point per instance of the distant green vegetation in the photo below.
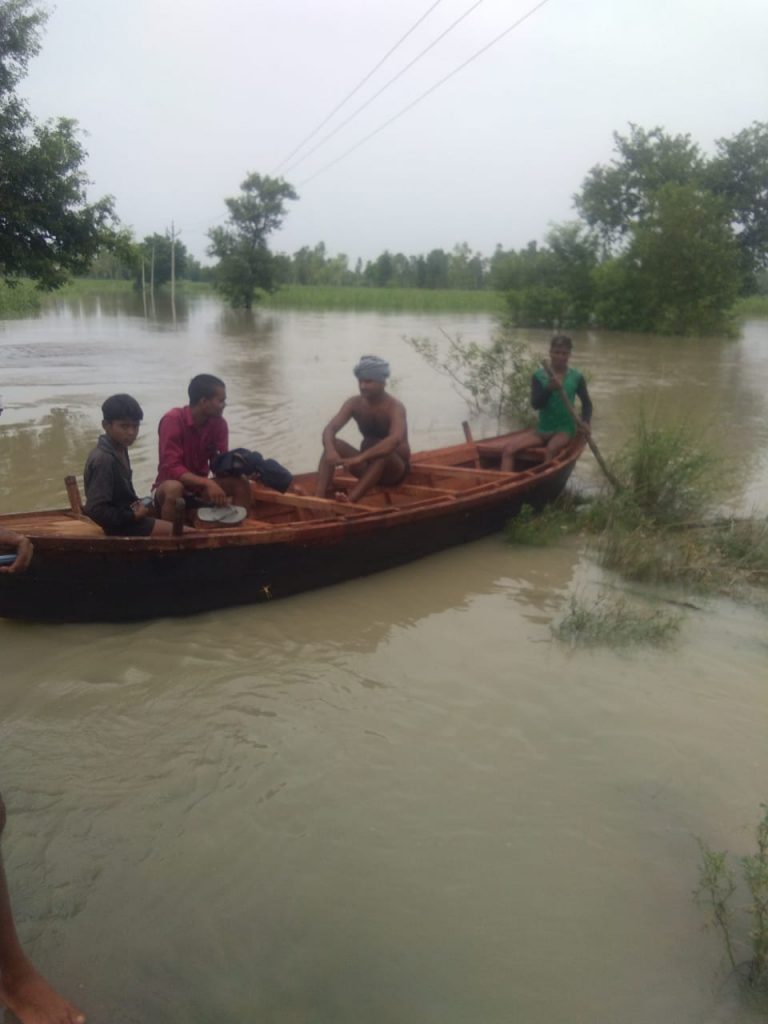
(752, 305)
(416, 300)
(20, 299)
(91, 286)
(99, 286)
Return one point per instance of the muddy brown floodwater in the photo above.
(395, 801)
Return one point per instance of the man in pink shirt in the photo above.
(189, 438)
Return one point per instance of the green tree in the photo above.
(436, 269)
(574, 259)
(680, 273)
(465, 268)
(155, 254)
(681, 234)
(118, 259)
(739, 175)
(613, 199)
(246, 265)
(48, 230)
(379, 273)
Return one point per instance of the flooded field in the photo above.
(397, 800)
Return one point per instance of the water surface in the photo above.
(396, 800)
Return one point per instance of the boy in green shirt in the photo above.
(556, 426)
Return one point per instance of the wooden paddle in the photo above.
(577, 423)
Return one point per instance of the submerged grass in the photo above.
(19, 299)
(753, 305)
(614, 624)
(746, 949)
(532, 529)
(416, 300)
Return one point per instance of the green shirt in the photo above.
(554, 418)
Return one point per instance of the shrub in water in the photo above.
(717, 885)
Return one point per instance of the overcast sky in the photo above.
(182, 98)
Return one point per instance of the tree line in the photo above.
(666, 238)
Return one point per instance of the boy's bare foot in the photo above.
(341, 496)
(32, 999)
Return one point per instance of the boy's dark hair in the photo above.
(122, 407)
(204, 385)
(561, 339)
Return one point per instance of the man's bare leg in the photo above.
(166, 496)
(388, 470)
(325, 469)
(508, 452)
(22, 988)
(556, 444)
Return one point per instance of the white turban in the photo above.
(372, 368)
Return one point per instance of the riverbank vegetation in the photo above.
(667, 239)
(21, 298)
(662, 526)
(745, 933)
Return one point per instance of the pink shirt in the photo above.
(186, 449)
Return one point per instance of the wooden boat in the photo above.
(289, 543)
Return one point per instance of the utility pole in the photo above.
(173, 271)
(173, 265)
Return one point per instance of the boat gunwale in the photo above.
(333, 527)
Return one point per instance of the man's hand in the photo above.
(140, 510)
(352, 461)
(332, 458)
(584, 428)
(215, 494)
(24, 552)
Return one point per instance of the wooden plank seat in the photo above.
(329, 507)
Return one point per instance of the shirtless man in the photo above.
(384, 456)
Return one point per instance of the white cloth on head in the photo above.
(372, 368)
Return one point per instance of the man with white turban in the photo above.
(384, 455)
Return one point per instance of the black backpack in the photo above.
(242, 462)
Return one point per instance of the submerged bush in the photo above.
(659, 526)
(666, 475)
(494, 378)
(614, 624)
(537, 530)
(717, 886)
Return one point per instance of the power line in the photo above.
(359, 85)
(399, 74)
(424, 95)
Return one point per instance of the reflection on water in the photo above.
(394, 800)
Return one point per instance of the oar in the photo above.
(572, 412)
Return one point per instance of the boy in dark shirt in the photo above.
(110, 498)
